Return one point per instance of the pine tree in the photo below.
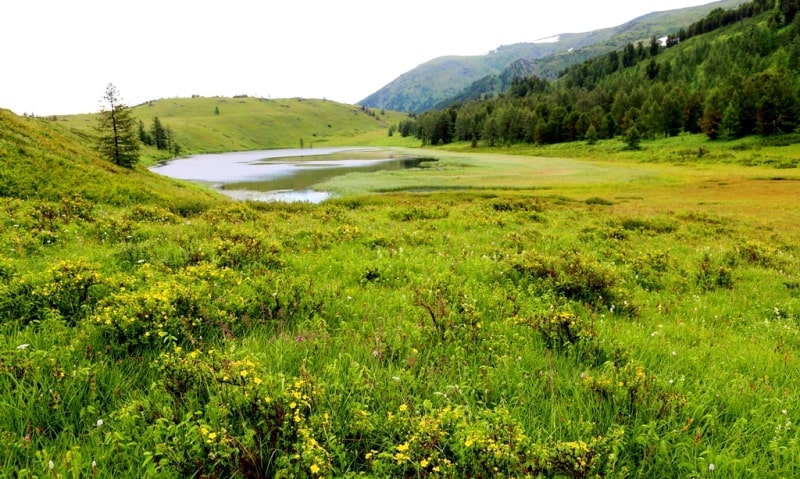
(159, 134)
(633, 138)
(117, 136)
(144, 136)
(711, 122)
(591, 135)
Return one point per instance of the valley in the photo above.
(615, 305)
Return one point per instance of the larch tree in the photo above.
(117, 134)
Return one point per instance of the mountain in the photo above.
(445, 78)
(731, 74)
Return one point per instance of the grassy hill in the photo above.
(41, 161)
(446, 77)
(232, 124)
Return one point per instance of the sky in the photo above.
(57, 56)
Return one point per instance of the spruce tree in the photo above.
(633, 138)
(591, 135)
(159, 134)
(117, 135)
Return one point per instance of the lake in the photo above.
(282, 175)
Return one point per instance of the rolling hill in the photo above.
(445, 78)
(219, 124)
(41, 161)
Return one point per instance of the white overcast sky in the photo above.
(56, 56)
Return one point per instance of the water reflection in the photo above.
(282, 175)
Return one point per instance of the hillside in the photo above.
(233, 124)
(730, 74)
(41, 161)
(445, 78)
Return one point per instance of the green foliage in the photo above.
(117, 138)
(574, 276)
(417, 212)
(633, 138)
(445, 81)
(725, 76)
(591, 135)
(712, 275)
(42, 160)
(492, 332)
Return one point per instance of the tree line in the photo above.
(742, 83)
(159, 136)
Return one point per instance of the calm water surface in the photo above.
(281, 175)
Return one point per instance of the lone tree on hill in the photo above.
(117, 134)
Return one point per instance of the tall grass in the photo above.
(408, 335)
(475, 333)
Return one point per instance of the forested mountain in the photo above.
(443, 80)
(730, 74)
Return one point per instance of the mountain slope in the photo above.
(447, 77)
(730, 74)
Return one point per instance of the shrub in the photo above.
(655, 225)
(155, 214)
(249, 423)
(574, 276)
(69, 290)
(564, 331)
(713, 276)
(247, 248)
(183, 309)
(652, 267)
(409, 213)
(513, 205)
(452, 312)
(756, 253)
(595, 200)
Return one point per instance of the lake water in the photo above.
(281, 175)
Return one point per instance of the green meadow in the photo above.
(555, 312)
(218, 124)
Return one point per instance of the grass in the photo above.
(515, 316)
(779, 153)
(256, 123)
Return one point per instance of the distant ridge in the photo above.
(445, 79)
